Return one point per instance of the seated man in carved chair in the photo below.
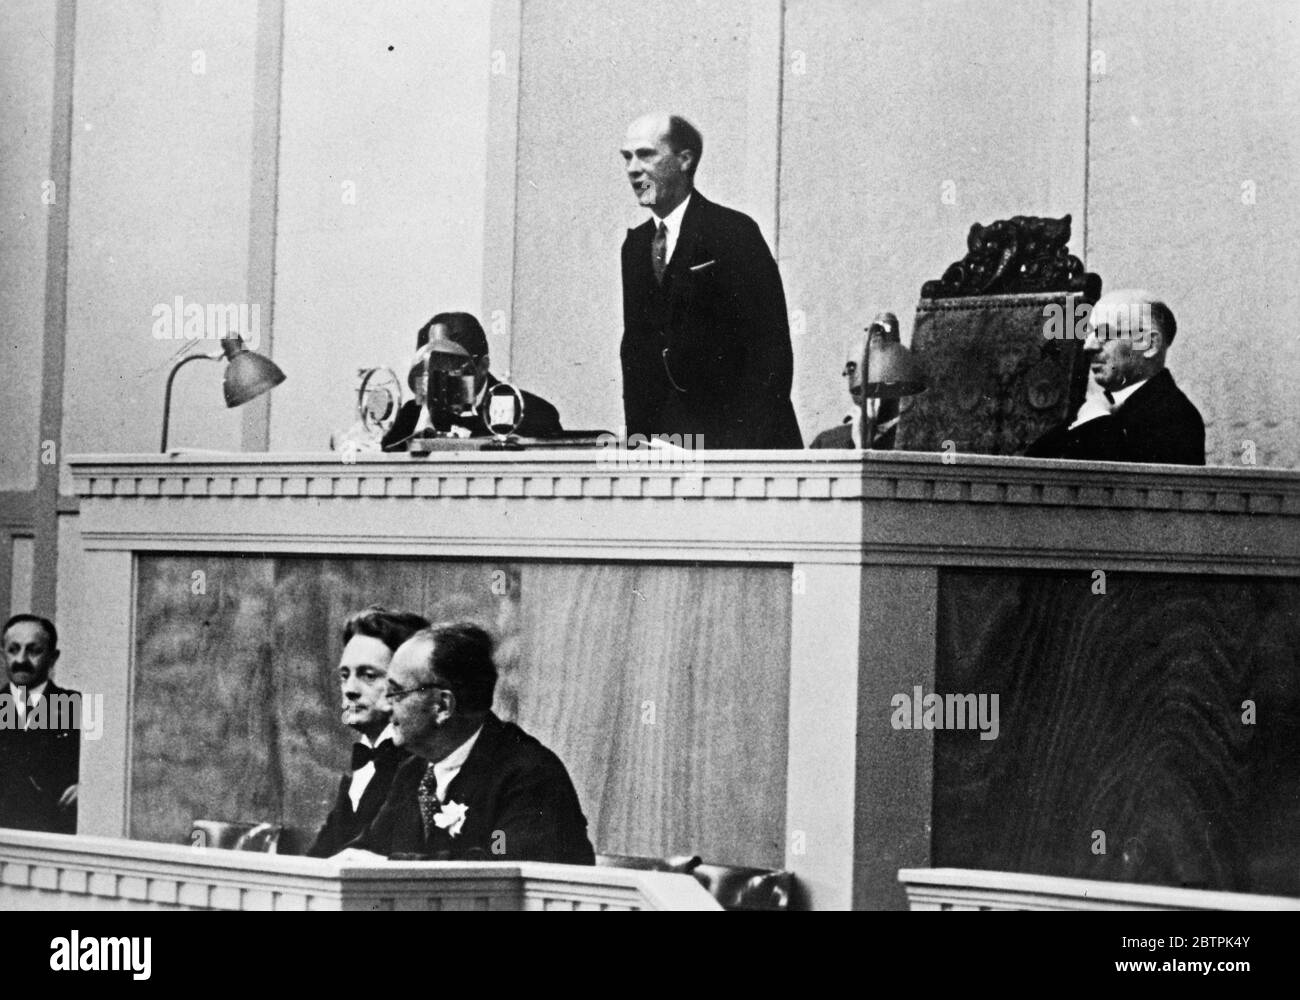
(1135, 412)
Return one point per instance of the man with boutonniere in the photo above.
(477, 788)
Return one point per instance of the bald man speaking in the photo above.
(1134, 411)
(706, 349)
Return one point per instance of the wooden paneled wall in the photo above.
(664, 689)
(1163, 714)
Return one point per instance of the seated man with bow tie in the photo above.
(370, 637)
(478, 788)
(1135, 412)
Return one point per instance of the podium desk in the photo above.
(52, 871)
(731, 652)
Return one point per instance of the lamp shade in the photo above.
(890, 369)
(248, 375)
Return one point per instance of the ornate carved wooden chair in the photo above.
(999, 335)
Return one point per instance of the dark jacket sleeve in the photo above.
(644, 384)
(770, 364)
(541, 418)
(539, 818)
(330, 839)
(403, 427)
(64, 772)
(732, 340)
(389, 831)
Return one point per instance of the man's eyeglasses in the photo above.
(397, 694)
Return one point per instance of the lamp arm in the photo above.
(868, 409)
(167, 395)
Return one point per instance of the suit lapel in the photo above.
(344, 799)
(639, 249)
(388, 759)
(687, 239)
(1155, 390)
(478, 764)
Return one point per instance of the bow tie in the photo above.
(363, 755)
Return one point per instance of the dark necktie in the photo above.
(659, 252)
(1109, 398)
(429, 802)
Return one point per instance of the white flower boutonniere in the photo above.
(451, 817)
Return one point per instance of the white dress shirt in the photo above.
(673, 222)
(1119, 395)
(24, 697)
(447, 768)
(1096, 405)
(362, 775)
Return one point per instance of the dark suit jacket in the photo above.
(842, 435)
(521, 806)
(541, 420)
(343, 823)
(36, 766)
(708, 351)
(835, 437)
(1155, 424)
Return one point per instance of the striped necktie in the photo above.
(659, 252)
(429, 801)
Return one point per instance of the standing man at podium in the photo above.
(370, 638)
(706, 340)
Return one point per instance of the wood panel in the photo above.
(203, 742)
(1123, 713)
(236, 704)
(664, 689)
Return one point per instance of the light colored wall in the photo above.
(1197, 104)
(586, 72)
(877, 104)
(159, 209)
(27, 81)
(881, 105)
(885, 104)
(407, 128)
